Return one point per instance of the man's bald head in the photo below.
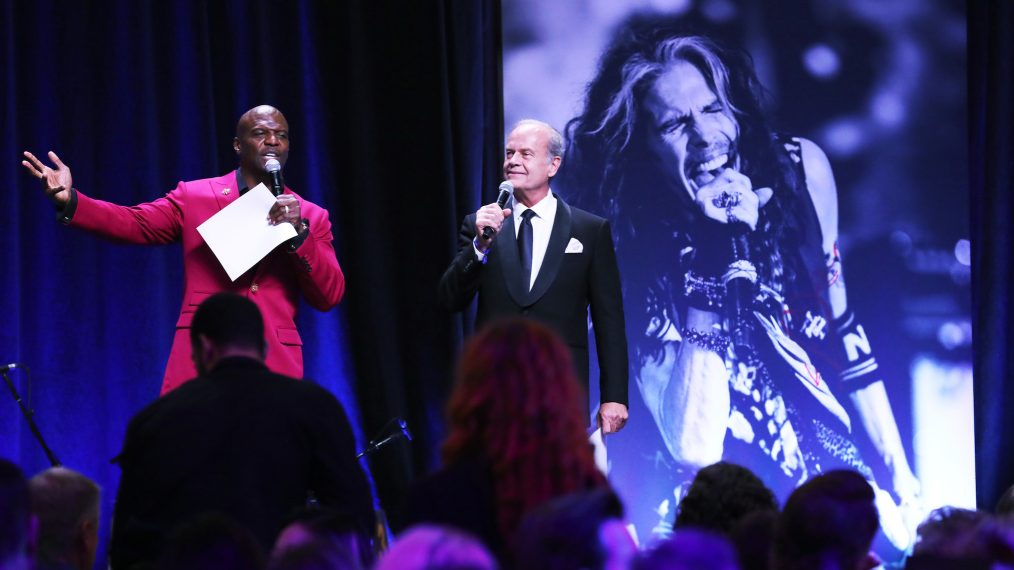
(246, 120)
(262, 133)
(67, 506)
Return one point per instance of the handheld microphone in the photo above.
(275, 169)
(740, 281)
(11, 366)
(506, 191)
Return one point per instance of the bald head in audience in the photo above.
(66, 504)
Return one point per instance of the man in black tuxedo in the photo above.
(239, 440)
(550, 261)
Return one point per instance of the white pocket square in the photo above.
(574, 246)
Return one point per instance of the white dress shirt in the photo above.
(542, 227)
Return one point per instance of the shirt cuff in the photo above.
(479, 256)
(297, 241)
(65, 214)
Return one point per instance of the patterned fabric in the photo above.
(784, 412)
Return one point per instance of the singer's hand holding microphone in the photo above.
(286, 208)
(489, 218)
(730, 198)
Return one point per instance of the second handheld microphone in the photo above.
(506, 191)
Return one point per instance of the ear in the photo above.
(202, 350)
(88, 540)
(90, 531)
(554, 165)
(32, 544)
(235, 144)
(208, 347)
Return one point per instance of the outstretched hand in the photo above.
(56, 183)
(906, 486)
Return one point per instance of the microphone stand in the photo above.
(376, 443)
(382, 531)
(29, 416)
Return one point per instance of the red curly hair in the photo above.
(515, 406)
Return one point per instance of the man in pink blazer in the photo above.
(305, 265)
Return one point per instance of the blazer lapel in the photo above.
(510, 263)
(226, 189)
(554, 253)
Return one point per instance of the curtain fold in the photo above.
(991, 152)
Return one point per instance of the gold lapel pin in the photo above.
(225, 192)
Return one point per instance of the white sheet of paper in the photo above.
(240, 235)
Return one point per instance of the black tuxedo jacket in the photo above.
(242, 441)
(568, 285)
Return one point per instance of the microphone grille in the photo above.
(507, 187)
(272, 165)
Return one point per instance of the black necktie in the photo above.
(525, 247)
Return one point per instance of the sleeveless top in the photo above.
(786, 422)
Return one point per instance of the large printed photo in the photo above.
(787, 195)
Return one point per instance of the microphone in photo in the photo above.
(8, 367)
(506, 191)
(740, 281)
(275, 169)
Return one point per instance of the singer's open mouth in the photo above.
(706, 166)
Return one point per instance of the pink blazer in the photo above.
(275, 283)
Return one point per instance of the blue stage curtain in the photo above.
(394, 110)
(991, 154)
